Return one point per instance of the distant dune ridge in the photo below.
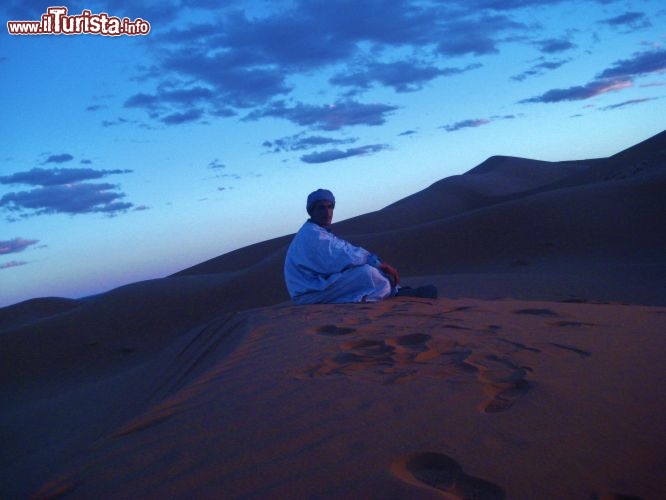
(538, 373)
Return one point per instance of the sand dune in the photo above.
(402, 399)
(508, 213)
(209, 383)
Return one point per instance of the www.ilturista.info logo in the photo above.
(57, 22)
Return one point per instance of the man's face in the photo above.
(322, 213)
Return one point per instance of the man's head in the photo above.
(320, 207)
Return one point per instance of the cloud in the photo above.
(177, 106)
(477, 35)
(403, 76)
(61, 158)
(300, 142)
(247, 60)
(640, 64)
(16, 245)
(158, 13)
(477, 122)
(179, 96)
(228, 176)
(57, 176)
(63, 191)
(68, 199)
(579, 93)
(337, 154)
(630, 102)
(12, 263)
(327, 117)
(178, 118)
(555, 45)
(119, 121)
(291, 38)
(215, 164)
(250, 58)
(653, 84)
(539, 69)
(618, 77)
(466, 124)
(142, 100)
(502, 5)
(235, 80)
(630, 20)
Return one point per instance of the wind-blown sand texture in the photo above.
(538, 373)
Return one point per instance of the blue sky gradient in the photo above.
(132, 157)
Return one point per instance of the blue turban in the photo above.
(318, 195)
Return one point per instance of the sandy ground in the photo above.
(408, 398)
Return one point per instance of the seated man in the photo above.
(322, 268)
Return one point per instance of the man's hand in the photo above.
(390, 272)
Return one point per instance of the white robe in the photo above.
(322, 268)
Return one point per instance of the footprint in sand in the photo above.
(505, 393)
(365, 354)
(581, 352)
(536, 312)
(442, 472)
(505, 381)
(570, 324)
(411, 347)
(398, 359)
(334, 330)
(393, 359)
(413, 353)
(414, 340)
(519, 346)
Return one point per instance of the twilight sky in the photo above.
(132, 157)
